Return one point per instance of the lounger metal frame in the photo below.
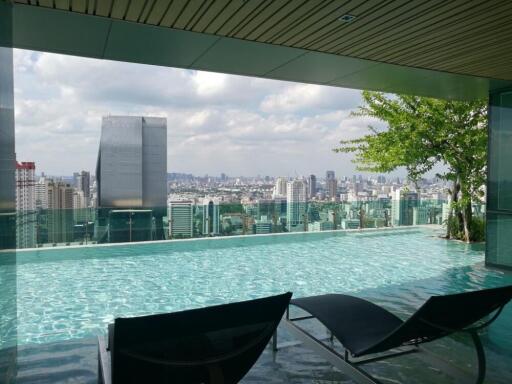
(352, 366)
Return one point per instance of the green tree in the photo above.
(421, 133)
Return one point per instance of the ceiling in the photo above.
(451, 49)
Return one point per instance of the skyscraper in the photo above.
(331, 185)
(76, 179)
(80, 210)
(60, 212)
(280, 187)
(211, 217)
(181, 219)
(403, 206)
(311, 186)
(41, 191)
(84, 185)
(296, 200)
(131, 171)
(26, 217)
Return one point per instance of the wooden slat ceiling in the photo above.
(472, 37)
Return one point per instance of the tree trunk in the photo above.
(468, 217)
(455, 198)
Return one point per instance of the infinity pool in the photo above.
(73, 293)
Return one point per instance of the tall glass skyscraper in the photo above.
(331, 184)
(311, 186)
(211, 221)
(403, 206)
(131, 170)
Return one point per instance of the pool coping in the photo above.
(218, 238)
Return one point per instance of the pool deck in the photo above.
(76, 362)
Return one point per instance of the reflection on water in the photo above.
(398, 271)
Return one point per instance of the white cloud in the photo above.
(216, 123)
(209, 83)
(305, 98)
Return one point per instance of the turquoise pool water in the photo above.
(73, 293)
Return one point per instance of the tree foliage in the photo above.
(422, 133)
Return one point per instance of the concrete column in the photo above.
(8, 325)
(499, 180)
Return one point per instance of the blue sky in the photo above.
(215, 122)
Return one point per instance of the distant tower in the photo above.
(84, 185)
(296, 201)
(41, 191)
(131, 172)
(331, 185)
(80, 210)
(76, 179)
(403, 206)
(60, 212)
(280, 187)
(311, 186)
(211, 217)
(26, 216)
(181, 219)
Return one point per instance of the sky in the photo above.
(241, 126)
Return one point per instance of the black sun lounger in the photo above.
(364, 328)
(216, 345)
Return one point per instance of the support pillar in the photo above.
(499, 181)
(8, 313)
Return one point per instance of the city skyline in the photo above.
(52, 212)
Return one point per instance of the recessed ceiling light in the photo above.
(347, 18)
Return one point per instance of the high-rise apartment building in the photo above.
(211, 217)
(80, 207)
(296, 205)
(280, 187)
(41, 191)
(26, 216)
(403, 206)
(181, 215)
(76, 177)
(131, 171)
(331, 185)
(311, 186)
(60, 212)
(332, 188)
(84, 186)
